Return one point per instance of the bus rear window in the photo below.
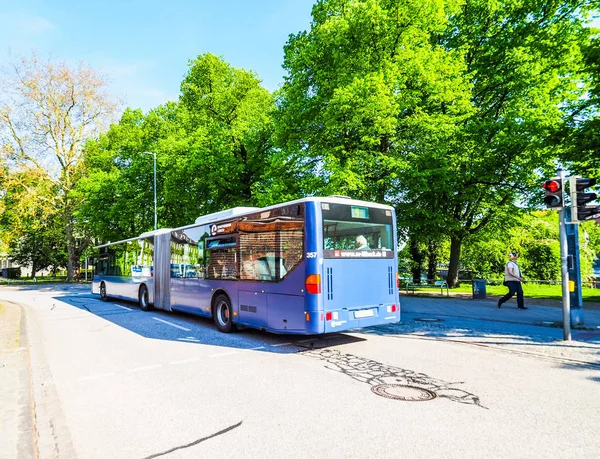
(356, 232)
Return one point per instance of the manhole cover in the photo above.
(428, 320)
(403, 392)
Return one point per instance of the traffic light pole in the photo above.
(565, 272)
(576, 299)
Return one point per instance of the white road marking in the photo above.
(189, 340)
(222, 354)
(123, 307)
(149, 367)
(171, 324)
(257, 347)
(282, 344)
(103, 375)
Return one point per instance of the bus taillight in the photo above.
(328, 316)
(392, 308)
(313, 284)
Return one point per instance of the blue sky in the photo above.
(143, 47)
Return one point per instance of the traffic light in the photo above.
(554, 193)
(579, 198)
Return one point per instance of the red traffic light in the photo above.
(552, 186)
(554, 193)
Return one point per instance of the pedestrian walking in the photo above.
(513, 279)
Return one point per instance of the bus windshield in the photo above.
(356, 231)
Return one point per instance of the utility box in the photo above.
(11, 273)
(479, 289)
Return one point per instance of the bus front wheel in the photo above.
(143, 298)
(223, 314)
(103, 296)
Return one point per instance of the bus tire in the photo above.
(223, 314)
(103, 295)
(143, 299)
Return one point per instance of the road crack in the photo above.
(220, 432)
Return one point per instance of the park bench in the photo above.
(441, 284)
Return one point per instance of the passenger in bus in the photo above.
(361, 243)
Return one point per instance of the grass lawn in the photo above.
(553, 292)
(28, 280)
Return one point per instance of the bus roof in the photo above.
(141, 236)
(240, 211)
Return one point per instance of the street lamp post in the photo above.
(155, 216)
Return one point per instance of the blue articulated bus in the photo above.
(311, 266)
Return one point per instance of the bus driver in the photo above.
(361, 243)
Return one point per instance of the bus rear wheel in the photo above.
(223, 314)
(103, 295)
(143, 298)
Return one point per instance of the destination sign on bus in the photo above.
(360, 212)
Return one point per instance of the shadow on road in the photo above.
(191, 329)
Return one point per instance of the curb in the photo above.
(503, 321)
(551, 303)
(21, 433)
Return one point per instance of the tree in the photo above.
(524, 60)
(366, 88)
(581, 136)
(31, 233)
(445, 110)
(213, 152)
(47, 111)
(227, 119)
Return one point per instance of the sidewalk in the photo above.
(465, 307)
(16, 421)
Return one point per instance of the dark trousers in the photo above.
(513, 287)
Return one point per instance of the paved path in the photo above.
(488, 310)
(17, 433)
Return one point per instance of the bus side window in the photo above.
(262, 270)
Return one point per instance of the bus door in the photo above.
(253, 291)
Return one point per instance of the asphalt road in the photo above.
(109, 380)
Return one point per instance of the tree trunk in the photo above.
(70, 248)
(455, 246)
(417, 260)
(432, 258)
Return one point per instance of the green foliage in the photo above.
(452, 111)
(47, 112)
(365, 89)
(535, 238)
(533, 290)
(32, 229)
(484, 257)
(524, 61)
(444, 109)
(213, 152)
(542, 260)
(582, 133)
